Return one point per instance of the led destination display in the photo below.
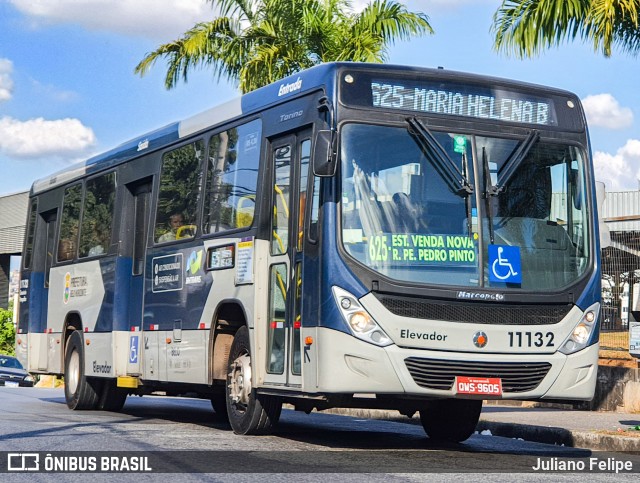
(466, 101)
(423, 249)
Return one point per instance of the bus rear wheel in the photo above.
(112, 397)
(249, 413)
(80, 391)
(219, 405)
(451, 420)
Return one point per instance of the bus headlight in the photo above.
(581, 334)
(361, 324)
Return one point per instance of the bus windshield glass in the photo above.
(413, 210)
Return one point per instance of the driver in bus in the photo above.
(175, 221)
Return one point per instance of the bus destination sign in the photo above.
(466, 101)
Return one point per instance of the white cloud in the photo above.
(155, 19)
(6, 82)
(620, 171)
(603, 110)
(38, 138)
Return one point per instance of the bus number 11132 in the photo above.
(530, 339)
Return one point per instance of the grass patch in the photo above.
(615, 340)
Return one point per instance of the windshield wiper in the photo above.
(508, 169)
(444, 165)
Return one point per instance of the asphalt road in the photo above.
(314, 447)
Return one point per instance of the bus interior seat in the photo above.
(528, 193)
(407, 214)
(245, 211)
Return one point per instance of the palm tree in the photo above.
(256, 42)
(526, 27)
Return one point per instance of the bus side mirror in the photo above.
(324, 157)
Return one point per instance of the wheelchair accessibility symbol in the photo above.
(133, 350)
(504, 263)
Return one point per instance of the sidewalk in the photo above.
(603, 431)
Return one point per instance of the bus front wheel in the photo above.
(248, 412)
(451, 420)
(80, 392)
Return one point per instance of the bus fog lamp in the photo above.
(590, 316)
(379, 337)
(345, 303)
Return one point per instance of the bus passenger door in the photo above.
(45, 238)
(290, 158)
(138, 206)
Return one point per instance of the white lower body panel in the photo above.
(347, 365)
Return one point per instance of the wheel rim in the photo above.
(73, 376)
(240, 382)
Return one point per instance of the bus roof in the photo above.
(316, 77)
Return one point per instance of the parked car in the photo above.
(12, 374)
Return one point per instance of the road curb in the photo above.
(538, 434)
(561, 436)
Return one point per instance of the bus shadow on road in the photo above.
(344, 432)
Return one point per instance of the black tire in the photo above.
(112, 397)
(451, 420)
(80, 391)
(248, 412)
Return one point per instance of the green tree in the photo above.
(7, 333)
(526, 27)
(256, 42)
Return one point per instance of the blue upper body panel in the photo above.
(321, 76)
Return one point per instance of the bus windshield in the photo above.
(410, 208)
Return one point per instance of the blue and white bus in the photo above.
(355, 235)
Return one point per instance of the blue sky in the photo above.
(67, 88)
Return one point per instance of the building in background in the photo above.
(13, 216)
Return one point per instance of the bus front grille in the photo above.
(477, 313)
(440, 374)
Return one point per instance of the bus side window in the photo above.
(315, 210)
(232, 178)
(97, 217)
(30, 235)
(70, 223)
(281, 187)
(305, 156)
(179, 193)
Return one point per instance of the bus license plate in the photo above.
(10, 384)
(479, 386)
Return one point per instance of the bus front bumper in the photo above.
(348, 365)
